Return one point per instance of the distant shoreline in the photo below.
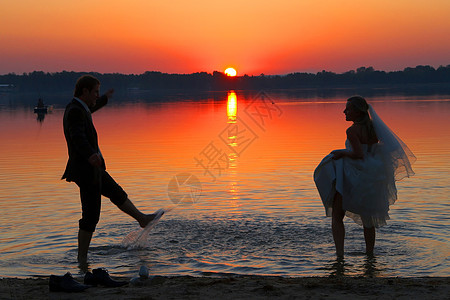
(243, 287)
(217, 81)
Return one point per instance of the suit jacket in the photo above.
(82, 142)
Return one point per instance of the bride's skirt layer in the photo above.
(367, 187)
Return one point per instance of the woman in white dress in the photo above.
(359, 181)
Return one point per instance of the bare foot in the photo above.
(370, 254)
(150, 217)
(83, 264)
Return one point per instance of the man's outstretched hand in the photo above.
(109, 93)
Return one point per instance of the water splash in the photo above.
(139, 238)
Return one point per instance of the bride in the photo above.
(359, 181)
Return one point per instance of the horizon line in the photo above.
(222, 72)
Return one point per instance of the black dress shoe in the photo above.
(65, 283)
(101, 277)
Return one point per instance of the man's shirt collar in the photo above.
(82, 103)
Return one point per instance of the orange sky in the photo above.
(178, 36)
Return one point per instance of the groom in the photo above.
(86, 166)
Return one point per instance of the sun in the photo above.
(230, 72)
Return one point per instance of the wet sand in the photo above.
(242, 287)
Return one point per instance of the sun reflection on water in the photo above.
(232, 142)
(231, 107)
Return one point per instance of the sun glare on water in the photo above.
(232, 106)
(230, 72)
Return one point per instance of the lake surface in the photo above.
(254, 208)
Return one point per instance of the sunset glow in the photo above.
(230, 72)
(271, 37)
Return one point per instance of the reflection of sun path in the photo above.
(232, 142)
(231, 107)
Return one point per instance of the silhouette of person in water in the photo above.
(86, 165)
(40, 103)
(359, 181)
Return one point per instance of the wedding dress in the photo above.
(367, 185)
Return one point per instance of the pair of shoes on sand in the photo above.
(68, 284)
(101, 277)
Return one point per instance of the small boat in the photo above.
(40, 108)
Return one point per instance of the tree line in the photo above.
(158, 81)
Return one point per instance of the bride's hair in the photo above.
(360, 104)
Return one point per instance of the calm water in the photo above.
(259, 211)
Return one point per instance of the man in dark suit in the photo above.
(86, 166)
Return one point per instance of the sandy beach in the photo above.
(242, 287)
